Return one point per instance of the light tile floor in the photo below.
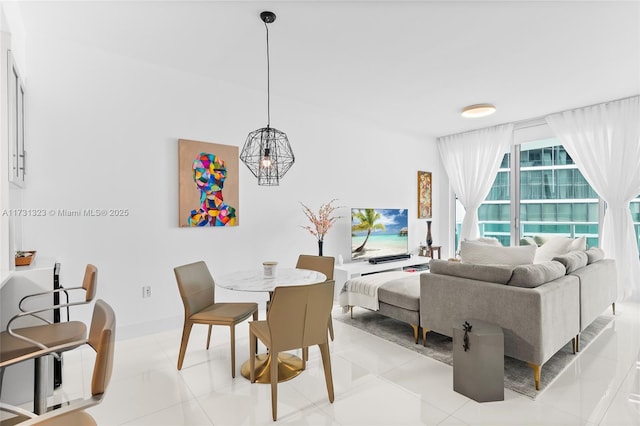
(376, 383)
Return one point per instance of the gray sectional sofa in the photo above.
(540, 307)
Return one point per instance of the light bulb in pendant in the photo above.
(265, 160)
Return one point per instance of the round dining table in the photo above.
(289, 365)
(255, 280)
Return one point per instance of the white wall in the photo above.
(11, 38)
(102, 132)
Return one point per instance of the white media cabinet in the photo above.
(346, 271)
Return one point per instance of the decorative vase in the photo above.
(320, 247)
(429, 240)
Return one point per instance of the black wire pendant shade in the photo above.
(266, 151)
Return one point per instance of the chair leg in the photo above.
(186, 331)
(255, 318)
(209, 336)
(1, 380)
(326, 363)
(274, 385)
(305, 357)
(613, 307)
(331, 328)
(577, 343)
(232, 334)
(253, 347)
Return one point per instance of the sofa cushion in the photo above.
(499, 274)
(574, 260)
(594, 254)
(531, 276)
(403, 293)
(555, 246)
(484, 254)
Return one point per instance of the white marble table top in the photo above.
(254, 279)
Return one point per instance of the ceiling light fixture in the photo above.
(478, 110)
(266, 151)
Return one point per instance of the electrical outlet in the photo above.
(146, 291)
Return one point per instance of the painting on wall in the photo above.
(424, 195)
(208, 184)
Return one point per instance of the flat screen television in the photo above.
(378, 232)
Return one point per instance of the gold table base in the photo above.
(289, 366)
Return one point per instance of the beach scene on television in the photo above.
(378, 232)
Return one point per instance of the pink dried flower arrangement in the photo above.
(322, 222)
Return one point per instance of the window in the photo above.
(550, 196)
(16, 124)
(635, 217)
(555, 198)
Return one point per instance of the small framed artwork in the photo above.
(424, 195)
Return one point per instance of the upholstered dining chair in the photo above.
(197, 290)
(24, 343)
(323, 264)
(298, 317)
(102, 340)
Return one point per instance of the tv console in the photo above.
(346, 271)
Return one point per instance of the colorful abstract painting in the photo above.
(208, 184)
(424, 195)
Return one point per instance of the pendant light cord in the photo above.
(268, 79)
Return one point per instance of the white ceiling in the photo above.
(409, 65)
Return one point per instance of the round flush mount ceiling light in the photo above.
(478, 110)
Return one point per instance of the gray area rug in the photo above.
(518, 376)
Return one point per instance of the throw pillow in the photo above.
(594, 254)
(541, 239)
(528, 241)
(573, 260)
(556, 246)
(579, 243)
(486, 240)
(485, 254)
(489, 273)
(530, 276)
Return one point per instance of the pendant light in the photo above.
(266, 151)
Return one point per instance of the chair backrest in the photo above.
(322, 264)
(102, 336)
(298, 316)
(89, 282)
(196, 286)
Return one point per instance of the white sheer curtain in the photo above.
(471, 161)
(604, 142)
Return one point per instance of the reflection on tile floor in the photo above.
(376, 383)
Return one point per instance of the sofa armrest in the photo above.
(536, 322)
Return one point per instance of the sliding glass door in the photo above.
(555, 198)
(539, 191)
